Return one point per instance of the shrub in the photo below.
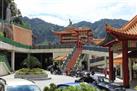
(81, 87)
(52, 87)
(33, 71)
(136, 88)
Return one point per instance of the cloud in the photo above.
(59, 11)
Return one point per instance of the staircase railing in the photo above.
(80, 59)
(73, 60)
(67, 59)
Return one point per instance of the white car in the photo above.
(17, 85)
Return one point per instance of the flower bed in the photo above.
(33, 74)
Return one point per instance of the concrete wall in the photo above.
(3, 69)
(22, 35)
(97, 53)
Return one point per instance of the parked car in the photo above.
(103, 83)
(67, 84)
(17, 85)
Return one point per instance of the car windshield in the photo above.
(23, 88)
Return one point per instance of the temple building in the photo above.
(75, 35)
(122, 40)
(78, 36)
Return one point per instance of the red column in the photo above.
(60, 38)
(110, 64)
(87, 36)
(77, 44)
(125, 63)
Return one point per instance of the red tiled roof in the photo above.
(97, 41)
(128, 31)
(72, 30)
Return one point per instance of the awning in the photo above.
(60, 58)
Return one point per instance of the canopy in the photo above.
(60, 58)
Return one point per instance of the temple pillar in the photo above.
(88, 37)
(110, 64)
(125, 63)
(61, 39)
(13, 60)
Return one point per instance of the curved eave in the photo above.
(96, 41)
(109, 39)
(124, 36)
(121, 33)
(60, 33)
(83, 30)
(131, 23)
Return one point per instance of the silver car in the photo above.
(17, 85)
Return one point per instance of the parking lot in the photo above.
(57, 79)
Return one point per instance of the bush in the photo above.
(136, 88)
(34, 71)
(81, 87)
(52, 87)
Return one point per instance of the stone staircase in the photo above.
(72, 61)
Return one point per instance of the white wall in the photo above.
(3, 69)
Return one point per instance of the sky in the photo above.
(60, 11)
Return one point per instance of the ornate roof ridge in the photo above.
(124, 28)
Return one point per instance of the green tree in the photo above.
(31, 62)
(14, 11)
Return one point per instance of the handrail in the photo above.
(68, 57)
(81, 58)
(95, 48)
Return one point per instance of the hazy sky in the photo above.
(59, 11)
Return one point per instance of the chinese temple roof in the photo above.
(97, 41)
(72, 30)
(60, 58)
(108, 40)
(128, 31)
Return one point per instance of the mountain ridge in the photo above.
(44, 30)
